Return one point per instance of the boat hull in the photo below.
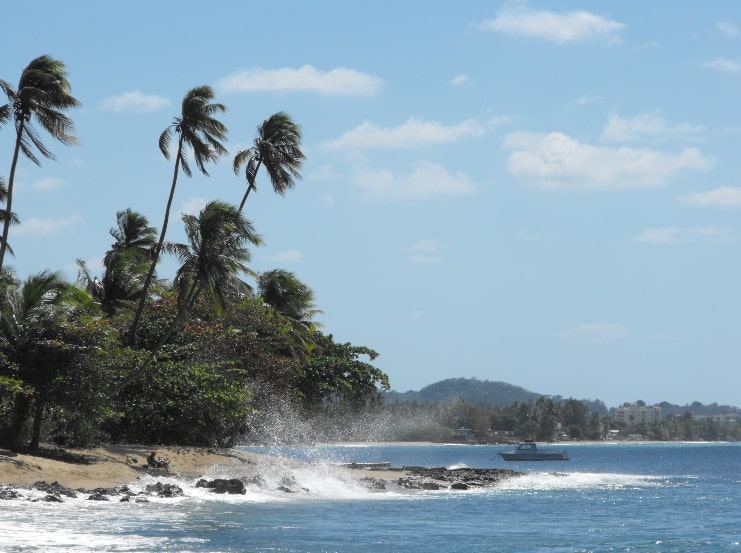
(511, 456)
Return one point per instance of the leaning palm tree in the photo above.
(277, 147)
(43, 94)
(201, 133)
(211, 261)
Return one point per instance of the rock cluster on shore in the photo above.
(107, 474)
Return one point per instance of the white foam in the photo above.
(576, 480)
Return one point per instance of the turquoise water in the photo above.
(609, 497)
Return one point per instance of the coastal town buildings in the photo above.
(635, 413)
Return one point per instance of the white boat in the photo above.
(529, 451)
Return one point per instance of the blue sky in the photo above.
(545, 194)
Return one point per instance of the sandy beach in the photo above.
(108, 467)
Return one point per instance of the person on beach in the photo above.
(155, 463)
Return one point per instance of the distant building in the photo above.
(637, 414)
(464, 433)
(722, 420)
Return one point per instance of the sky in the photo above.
(546, 194)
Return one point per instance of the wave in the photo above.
(579, 481)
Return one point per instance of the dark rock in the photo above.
(459, 486)
(373, 483)
(98, 496)
(50, 498)
(55, 488)
(6, 492)
(165, 490)
(221, 485)
(412, 483)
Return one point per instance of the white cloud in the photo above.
(193, 206)
(527, 235)
(725, 196)
(600, 332)
(459, 80)
(424, 252)
(335, 82)
(677, 235)
(727, 28)
(45, 227)
(135, 101)
(47, 183)
(327, 200)
(555, 160)
(575, 26)
(646, 126)
(288, 256)
(426, 246)
(724, 64)
(414, 133)
(426, 180)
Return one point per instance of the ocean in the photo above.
(621, 497)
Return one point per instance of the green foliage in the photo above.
(198, 357)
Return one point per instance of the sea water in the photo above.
(622, 497)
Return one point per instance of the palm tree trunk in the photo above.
(21, 407)
(9, 199)
(38, 417)
(249, 188)
(157, 249)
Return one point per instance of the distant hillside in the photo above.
(486, 392)
(471, 390)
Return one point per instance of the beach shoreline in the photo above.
(114, 465)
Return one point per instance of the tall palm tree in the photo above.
(32, 317)
(200, 133)
(210, 264)
(43, 93)
(125, 264)
(277, 147)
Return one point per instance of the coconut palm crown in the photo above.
(277, 147)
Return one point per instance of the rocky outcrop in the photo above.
(222, 485)
(421, 478)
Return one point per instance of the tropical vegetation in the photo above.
(198, 359)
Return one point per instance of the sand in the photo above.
(109, 467)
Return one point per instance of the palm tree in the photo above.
(200, 132)
(43, 93)
(126, 263)
(288, 295)
(133, 234)
(293, 299)
(277, 147)
(32, 317)
(210, 264)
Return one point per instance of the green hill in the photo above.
(471, 390)
(486, 392)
